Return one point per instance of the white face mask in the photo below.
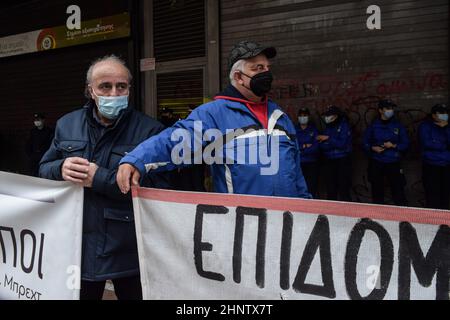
(388, 114)
(329, 119)
(442, 117)
(303, 120)
(38, 123)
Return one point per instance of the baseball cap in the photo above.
(39, 116)
(332, 110)
(303, 110)
(440, 107)
(247, 50)
(386, 103)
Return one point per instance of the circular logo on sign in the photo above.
(48, 42)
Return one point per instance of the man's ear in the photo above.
(238, 77)
(90, 90)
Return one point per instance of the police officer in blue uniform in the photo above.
(385, 140)
(307, 133)
(434, 137)
(336, 145)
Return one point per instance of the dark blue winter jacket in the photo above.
(109, 247)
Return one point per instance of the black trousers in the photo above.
(338, 176)
(125, 289)
(436, 182)
(310, 171)
(377, 172)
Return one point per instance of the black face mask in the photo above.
(261, 83)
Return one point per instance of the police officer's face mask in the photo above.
(442, 117)
(329, 119)
(261, 83)
(303, 120)
(38, 123)
(388, 113)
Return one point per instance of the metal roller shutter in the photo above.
(51, 82)
(179, 33)
(179, 29)
(180, 90)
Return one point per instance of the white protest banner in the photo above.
(40, 238)
(237, 247)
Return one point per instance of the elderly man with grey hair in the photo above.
(86, 150)
(248, 140)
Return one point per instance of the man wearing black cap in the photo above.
(385, 141)
(434, 136)
(38, 143)
(247, 120)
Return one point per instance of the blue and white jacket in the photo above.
(245, 162)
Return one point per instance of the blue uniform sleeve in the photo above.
(156, 152)
(340, 140)
(426, 140)
(314, 149)
(367, 139)
(448, 137)
(403, 143)
(302, 188)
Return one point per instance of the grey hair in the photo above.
(112, 58)
(238, 66)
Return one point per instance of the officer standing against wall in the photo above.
(434, 139)
(336, 145)
(385, 140)
(38, 143)
(307, 133)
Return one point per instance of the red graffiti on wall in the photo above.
(431, 81)
(362, 91)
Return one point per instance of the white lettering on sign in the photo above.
(74, 20)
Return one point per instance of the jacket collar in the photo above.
(239, 102)
(90, 109)
(380, 121)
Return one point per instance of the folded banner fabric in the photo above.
(221, 246)
(40, 238)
